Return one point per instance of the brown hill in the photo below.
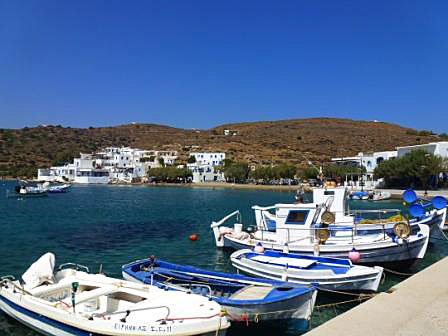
(266, 142)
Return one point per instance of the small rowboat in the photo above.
(243, 298)
(325, 273)
(75, 302)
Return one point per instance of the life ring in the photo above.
(328, 218)
(402, 230)
(322, 235)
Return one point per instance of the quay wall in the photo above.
(416, 306)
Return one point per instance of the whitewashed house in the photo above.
(437, 148)
(87, 170)
(205, 167)
(112, 164)
(367, 160)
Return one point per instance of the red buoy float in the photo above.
(193, 237)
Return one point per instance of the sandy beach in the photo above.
(396, 193)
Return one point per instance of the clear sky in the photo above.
(198, 64)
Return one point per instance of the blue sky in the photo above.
(198, 64)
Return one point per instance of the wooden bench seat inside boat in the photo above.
(251, 293)
(91, 294)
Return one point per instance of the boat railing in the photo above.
(256, 207)
(333, 228)
(223, 220)
(77, 267)
(377, 214)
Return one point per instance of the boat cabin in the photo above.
(294, 221)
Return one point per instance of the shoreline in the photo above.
(395, 193)
(224, 185)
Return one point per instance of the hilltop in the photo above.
(266, 142)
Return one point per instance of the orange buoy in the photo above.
(193, 237)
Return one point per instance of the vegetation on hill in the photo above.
(294, 142)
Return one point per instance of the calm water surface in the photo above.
(112, 225)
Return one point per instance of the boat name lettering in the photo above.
(127, 327)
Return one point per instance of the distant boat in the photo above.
(56, 189)
(372, 195)
(243, 298)
(72, 301)
(359, 195)
(325, 273)
(23, 190)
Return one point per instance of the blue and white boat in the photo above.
(74, 302)
(371, 195)
(359, 195)
(243, 298)
(325, 273)
(326, 228)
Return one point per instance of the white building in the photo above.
(211, 159)
(437, 148)
(156, 159)
(367, 160)
(111, 164)
(205, 167)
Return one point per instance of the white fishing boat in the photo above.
(324, 273)
(326, 228)
(74, 302)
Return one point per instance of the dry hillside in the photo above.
(267, 142)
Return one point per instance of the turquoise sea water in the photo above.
(112, 225)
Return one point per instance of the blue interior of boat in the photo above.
(220, 287)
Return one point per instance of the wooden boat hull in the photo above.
(401, 253)
(295, 303)
(355, 278)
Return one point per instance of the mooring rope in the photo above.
(335, 304)
(398, 273)
(345, 293)
(442, 233)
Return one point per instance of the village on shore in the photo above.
(125, 165)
